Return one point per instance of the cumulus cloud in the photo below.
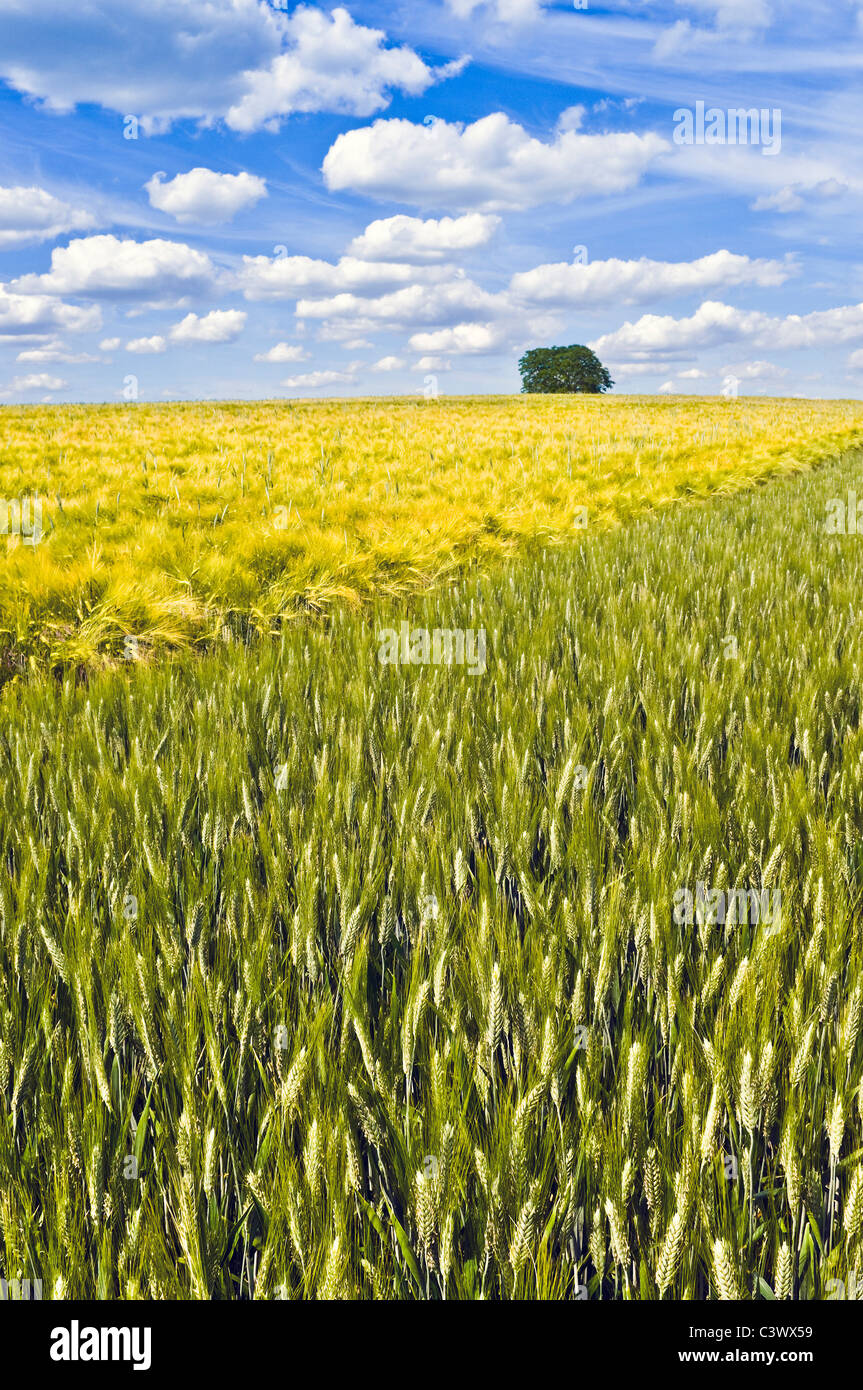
(455, 304)
(39, 315)
(312, 380)
(243, 61)
(432, 364)
(731, 14)
(755, 371)
(288, 277)
(491, 165)
(460, 315)
(29, 215)
(462, 338)
(793, 197)
(54, 352)
(332, 64)
(447, 303)
(109, 344)
(505, 11)
(38, 381)
(283, 352)
(220, 326)
(714, 323)
(147, 346)
(204, 196)
(389, 364)
(637, 282)
(855, 361)
(730, 19)
(619, 370)
(785, 199)
(411, 239)
(105, 266)
(135, 57)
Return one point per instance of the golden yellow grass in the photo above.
(167, 522)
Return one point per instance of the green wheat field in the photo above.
(324, 978)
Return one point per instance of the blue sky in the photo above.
(372, 199)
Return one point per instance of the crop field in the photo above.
(167, 524)
(325, 976)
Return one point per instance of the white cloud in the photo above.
(666, 388)
(219, 326)
(287, 277)
(204, 196)
(733, 20)
(619, 370)
(793, 197)
(315, 379)
(463, 316)
(389, 364)
(447, 303)
(714, 323)
(109, 344)
(693, 374)
(785, 199)
(492, 164)
(855, 361)
(105, 266)
(731, 14)
(38, 381)
(432, 364)
(406, 238)
(283, 352)
(34, 315)
(333, 64)
(463, 338)
(755, 371)
(505, 11)
(244, 61)
(136, 57)
(32, 214)
(147, 346)
(54, 352)
(636, 282)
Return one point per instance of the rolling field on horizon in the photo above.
(160, 526)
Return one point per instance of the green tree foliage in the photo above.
(563, 369)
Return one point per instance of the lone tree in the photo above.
(563, 369)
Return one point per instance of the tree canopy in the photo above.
(563, 369)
